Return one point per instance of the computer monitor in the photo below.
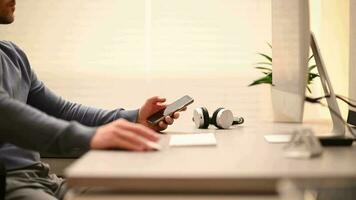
(290, 52)
(291, 40)
(338, 129)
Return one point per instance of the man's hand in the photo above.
(151, 106)
(122, 134)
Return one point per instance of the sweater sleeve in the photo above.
(27, 127)
(44, 99)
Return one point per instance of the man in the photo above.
(33, 119)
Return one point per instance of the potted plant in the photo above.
(266, 68)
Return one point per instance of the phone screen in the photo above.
(170, 109)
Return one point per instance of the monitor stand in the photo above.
(338, 129)
(337, 136)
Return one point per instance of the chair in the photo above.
(2, 181)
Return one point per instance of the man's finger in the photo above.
(162, 125)
(176, 115)
(156, 99)
(159, 106)
(168, 120)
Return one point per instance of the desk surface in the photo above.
(241, 161)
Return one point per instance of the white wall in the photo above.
(200, 36)
(111, 52)
(352, 57)
(83, 49)
(335, 44)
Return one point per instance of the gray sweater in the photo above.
(33, 119)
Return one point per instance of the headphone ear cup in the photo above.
(201, 117)
(206, 117)
(225, 118)
(214, 118)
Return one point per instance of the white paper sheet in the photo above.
(197, 139)
(278, 138)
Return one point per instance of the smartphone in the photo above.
(170, 109)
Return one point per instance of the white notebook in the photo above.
(197, 139)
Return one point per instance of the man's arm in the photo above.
(30, 128)
(27, 127)
(44, 99)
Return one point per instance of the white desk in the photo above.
(241, 162)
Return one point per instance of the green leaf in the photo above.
(264, 68)
(309, 89)
(312, 67)
(266, 56)
(264, 63)
(264, 80)
(312, 76)
(267, 70)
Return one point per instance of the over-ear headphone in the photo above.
(222, 118)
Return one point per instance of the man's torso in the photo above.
(15, 81)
